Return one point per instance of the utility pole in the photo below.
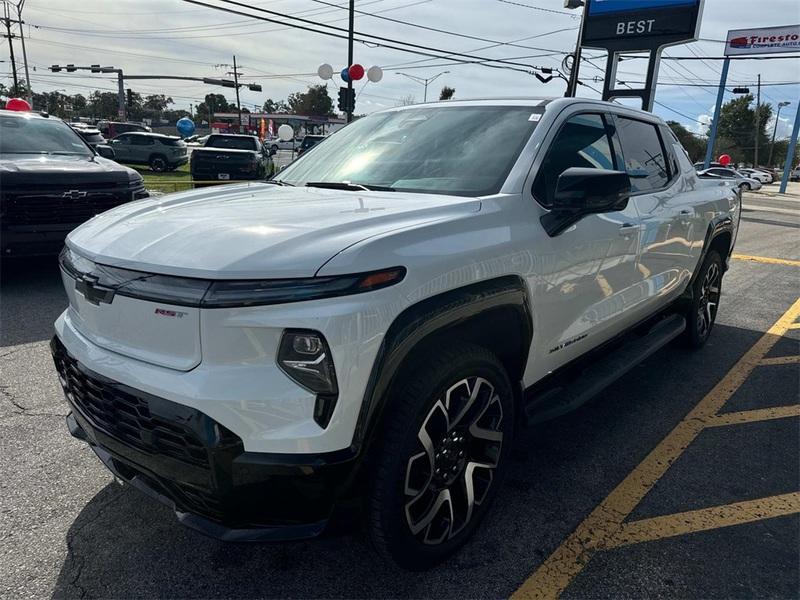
(758, 128)
(775, 130)
(9, 35)
(350, 52)
(24, 52)
(572, 83)
(423, 81)
(238, 103)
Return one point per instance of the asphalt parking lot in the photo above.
(681, 480)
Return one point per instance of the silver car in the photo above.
(744, 183)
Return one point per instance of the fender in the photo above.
(430, 316)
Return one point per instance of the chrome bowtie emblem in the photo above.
(74, 194)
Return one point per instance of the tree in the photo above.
(213, 103)
(313, 102)
(447, 93)
(694, 144)
(736, 130)
(407, 100)
(273, 106)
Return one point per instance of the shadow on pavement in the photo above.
(31, 297)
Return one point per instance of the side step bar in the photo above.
(555, 401)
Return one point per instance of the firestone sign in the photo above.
(764, 40)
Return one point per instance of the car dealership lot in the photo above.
(69, 530)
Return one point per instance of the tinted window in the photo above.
(123, 139)
(581, 142)
(141, 140)
(458, 150)
(24, 135)
(171, 142)
(232, 142)
(644, 155)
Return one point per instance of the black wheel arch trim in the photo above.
(430, 316)
(720, 225)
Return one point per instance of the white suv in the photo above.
(371, 329)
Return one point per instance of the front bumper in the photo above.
(188, 461)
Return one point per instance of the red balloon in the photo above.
(356, 72)
(18, 104)
(725, 159)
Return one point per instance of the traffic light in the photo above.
(254, 87)
(96, 69)
(741, 90)
(55, 68)
(347, 100)
(71, 68)
(228, 83)
(129, 96)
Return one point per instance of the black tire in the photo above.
(438, 380)
(745, 187)
(158, 163)
(274, 147)
(702, 311)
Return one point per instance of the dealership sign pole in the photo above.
(744, 43)
(638, 26)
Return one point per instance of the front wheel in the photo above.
(702, 312)
(158, 164)
(745, 187)
(446, 445)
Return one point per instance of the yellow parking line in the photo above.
(794, 326)
(780, 360)
(752, 416)
(705, 519)
(767, 260)
(604, 522)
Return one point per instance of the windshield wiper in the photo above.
(346, 185)
(278, 182)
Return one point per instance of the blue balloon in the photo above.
(345, 74)
(185, 126)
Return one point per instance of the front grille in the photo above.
(127, 416)
(54, 209)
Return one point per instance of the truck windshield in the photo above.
(23, 135)
(459, 150)
(231, 142)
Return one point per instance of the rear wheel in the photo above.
(745, 187)
(158, 163)
(446, 445)
(702, 312)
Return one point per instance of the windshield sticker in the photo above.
(535, 117)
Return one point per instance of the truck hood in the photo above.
(252, 230)
(24, 169)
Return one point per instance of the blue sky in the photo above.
(177, 38)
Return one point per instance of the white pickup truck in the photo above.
(370, 329)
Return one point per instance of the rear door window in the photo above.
(645, 161)
(582, 141)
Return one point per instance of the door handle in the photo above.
(627, 229)
(686, 211)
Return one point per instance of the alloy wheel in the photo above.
(709, 299)
(460, 443)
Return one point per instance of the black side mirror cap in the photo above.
(105, 151)
(583, 191)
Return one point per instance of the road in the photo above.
(626, 497)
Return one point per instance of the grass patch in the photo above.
(172, 181)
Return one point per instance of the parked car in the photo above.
(794, 174)
(90, 135)
(699, 166)
(762, 176)
(226, 157)
(112, 129)
(51, 181)
(276, 144)
(160, 152)
(309, 142)
(371, 329)
(744, 183)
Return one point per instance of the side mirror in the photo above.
(105, 151)
(581, 191)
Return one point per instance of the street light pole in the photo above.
(350, 32)
(757, 120)
(236, 82)
(572, 84)
(423, 80)
(775, 130)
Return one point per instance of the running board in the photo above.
(551, 402)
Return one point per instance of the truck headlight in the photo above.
(305, 357)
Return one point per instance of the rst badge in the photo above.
(168, 312)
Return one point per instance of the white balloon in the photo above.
(285, 132)
(375, 74)
(325, 71)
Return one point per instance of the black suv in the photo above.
(51, 181)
